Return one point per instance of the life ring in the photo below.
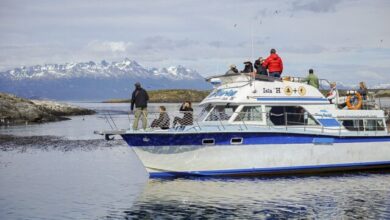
(359, 103)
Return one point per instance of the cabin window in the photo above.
(250, 113)
(205, 112)
(208, 141)
(221, 113)
(289, 115)
(236, 140)
(374, 125)
(353, 125)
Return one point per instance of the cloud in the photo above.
(164, 43)
(109, 46)
(319, 6)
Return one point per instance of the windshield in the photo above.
(221, 113)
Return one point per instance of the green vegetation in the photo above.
(383, 93)
(169, 96)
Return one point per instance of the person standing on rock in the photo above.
(140, 99)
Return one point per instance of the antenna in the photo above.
(252, 36)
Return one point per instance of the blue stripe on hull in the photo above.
(248, 139)
(277, 170)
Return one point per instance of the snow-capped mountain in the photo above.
(90, 80)
(103, 69)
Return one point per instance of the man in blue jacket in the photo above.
(140, 99)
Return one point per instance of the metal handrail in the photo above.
(287, 125)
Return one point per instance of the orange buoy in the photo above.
(356, 106)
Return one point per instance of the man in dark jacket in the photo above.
(274, 64)
(140, 99)
(248, 68)
(260, 70)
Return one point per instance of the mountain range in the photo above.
(95, 81)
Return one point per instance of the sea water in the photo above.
(61, 170)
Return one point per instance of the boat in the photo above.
(264, 126)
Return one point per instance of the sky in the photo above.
(342, 40)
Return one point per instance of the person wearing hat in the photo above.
(312, 79)
(260, 70)
(274, 64)
(248, 68)
(140, 99)
(232, 70)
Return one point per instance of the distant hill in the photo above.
(95, 81)
(169, 96)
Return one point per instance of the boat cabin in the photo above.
(282, 103)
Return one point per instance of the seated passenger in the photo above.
(260, 70)
(363, 90)
(233, 70)
(248, 67)
(162, 121)
(187, 111)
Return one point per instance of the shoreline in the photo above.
(169, 96)
(15, 110)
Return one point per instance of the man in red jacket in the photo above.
(274, 64)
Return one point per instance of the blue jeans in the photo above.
(275, 74)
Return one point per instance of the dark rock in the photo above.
(16, 110)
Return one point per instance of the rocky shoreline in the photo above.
(170, 96)
(16, 110)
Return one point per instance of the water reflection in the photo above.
(335, 197)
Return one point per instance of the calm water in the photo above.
(62, 170)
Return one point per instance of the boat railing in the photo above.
(244, 121)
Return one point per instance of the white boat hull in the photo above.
(219, 160)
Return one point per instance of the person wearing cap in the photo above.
(312, 79)
(232, 70)
(140, 99)
(248, 68)
(260, 70)
(274, 64)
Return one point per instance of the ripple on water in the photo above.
(335, 197)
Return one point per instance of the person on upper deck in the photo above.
(312, 79)
(274, 64)
(260, 70)
(233, 70)
(363, 90)
(248, 67)
(188, 117)
(162, 121)
(333, 94)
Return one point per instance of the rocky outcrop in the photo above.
(170, 96)
(16, 110)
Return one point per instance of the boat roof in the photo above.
(240, 89)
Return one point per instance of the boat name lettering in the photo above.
(323, 114)
(267, 90)
(223, 92)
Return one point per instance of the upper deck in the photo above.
(240, 89)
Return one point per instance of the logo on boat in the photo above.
(223, 92)
(323, 113)
(302, 91)
(145, 139)
(288, 90)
